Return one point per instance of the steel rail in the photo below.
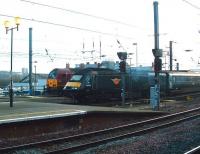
(69, 138)
(110, 139)
(182, 95)
(195, 150)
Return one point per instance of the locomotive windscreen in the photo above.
(76, 77)
(52, 74)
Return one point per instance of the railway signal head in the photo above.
(122, 66)
(157, 64)
(122, 55)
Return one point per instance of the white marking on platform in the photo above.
(37, 117)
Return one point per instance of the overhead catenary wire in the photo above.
(81, 13)
(191, 4)
(67, 26)
(39, 53)
(63, 25)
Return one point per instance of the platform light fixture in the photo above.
(17, 21)
(8, 28)
(6, 24)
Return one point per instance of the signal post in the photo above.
(122, 67)
(155, 91)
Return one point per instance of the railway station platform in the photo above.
(32, 109)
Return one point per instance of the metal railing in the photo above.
(23, 90)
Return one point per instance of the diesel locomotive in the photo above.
(56, 80)
(93, 83)
(102, 83)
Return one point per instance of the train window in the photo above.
(76, 78)
(52, 74)
(88, 80)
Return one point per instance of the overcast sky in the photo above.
(62, 26)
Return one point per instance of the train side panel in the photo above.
(105, 84)
(184, 82)
(94, 84)
(108, 86)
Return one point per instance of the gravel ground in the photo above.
(181, 105)
(150, 143)
(173, 140)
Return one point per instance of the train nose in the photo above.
(52, 83)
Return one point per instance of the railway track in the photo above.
(183, 95)
(92, 139)
(195, 150)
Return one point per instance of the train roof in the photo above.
(182, 73)
(86, 70)
(60, 71)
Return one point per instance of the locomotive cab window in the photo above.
(76, 78)
(88, 80)
(52, 74)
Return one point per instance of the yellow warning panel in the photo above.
(73, 84)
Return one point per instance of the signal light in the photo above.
(122, 66)
(157, 64)
(122, 55)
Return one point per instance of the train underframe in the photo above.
(54, 91)
(84, 96)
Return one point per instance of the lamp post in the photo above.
(35, 79)
(136, 54)
(171, 55)
(165, 54)
(129, 57)
(6, 24)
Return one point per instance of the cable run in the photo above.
(81, 13)
(67, 26)
(191, 4)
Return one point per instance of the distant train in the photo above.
(57, 79)
(101, 83)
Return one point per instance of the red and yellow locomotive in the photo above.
(57, 79)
